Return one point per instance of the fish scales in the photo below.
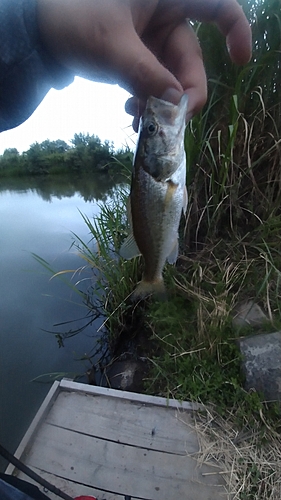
(158, 192)
(156, 217)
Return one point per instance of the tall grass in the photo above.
(233, 147)
(114, 278)
(234, 162)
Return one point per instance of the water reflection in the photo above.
(90, 187)
(38, 216)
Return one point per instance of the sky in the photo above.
(83, 106)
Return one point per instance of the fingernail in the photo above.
(129, 107)
(135, 124)
(172, 95)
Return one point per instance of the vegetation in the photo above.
(230, 246)
(86, 154)
(233, 146)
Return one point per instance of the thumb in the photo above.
(140, 72)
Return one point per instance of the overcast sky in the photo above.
(84, 106)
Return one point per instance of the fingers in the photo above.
(141, 73)
(183, 57)
(135, 106)
(231, 21)
(238, 34)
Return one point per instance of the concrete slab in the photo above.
(262, 363)
(249, 313)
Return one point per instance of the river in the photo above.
(38, 216)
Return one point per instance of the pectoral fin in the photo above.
(185, 200)
(129, 249)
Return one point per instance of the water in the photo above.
(38, 216)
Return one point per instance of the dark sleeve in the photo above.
(9, 492)
(27, 71)
(13, 488)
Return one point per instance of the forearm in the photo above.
(27, 71)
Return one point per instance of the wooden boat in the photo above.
(89, 440)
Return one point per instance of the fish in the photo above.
(158, 194)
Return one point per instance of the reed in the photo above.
(233, 147)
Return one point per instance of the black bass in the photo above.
(158, 192)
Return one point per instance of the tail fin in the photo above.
(146, 288)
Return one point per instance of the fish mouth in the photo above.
(170, 113)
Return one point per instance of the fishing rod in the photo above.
(29, 472)
(38, 479)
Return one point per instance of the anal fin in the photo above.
(129, 249)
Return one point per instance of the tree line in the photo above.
(87, 153)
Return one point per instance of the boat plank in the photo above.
(108, 443)
(120, 468)
(124, 421)
(70, 385)
(73, 489)
(36, 422)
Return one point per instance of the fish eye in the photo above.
(152, 128)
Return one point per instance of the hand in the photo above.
(146, 46)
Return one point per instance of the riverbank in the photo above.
(187, 347)
(189, 341)
(86, 155)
